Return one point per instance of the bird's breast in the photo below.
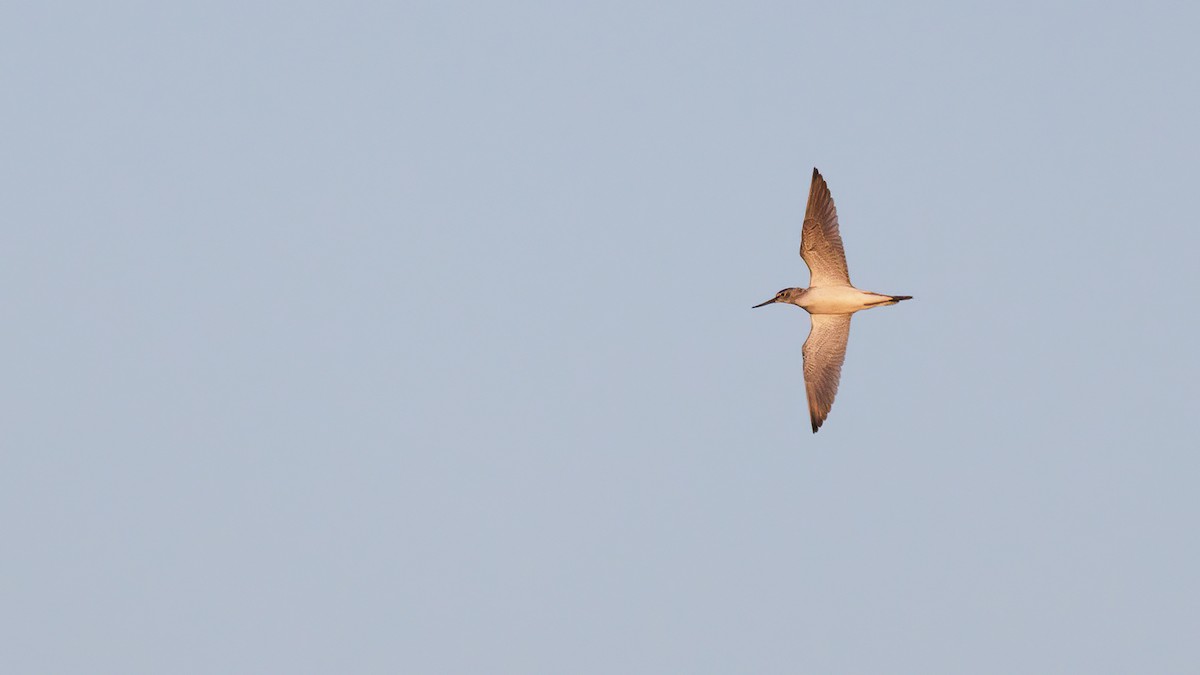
(837, 300)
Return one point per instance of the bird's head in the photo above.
(787, 295)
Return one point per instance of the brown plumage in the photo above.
(820, 241)
(830, 300)
(824, 353)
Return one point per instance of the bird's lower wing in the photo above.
(824, 352)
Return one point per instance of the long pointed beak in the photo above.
(765, 303)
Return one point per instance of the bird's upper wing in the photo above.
(824, 352)
(820, 243)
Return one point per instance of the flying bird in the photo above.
(830, 300)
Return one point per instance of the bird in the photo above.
(830, 300)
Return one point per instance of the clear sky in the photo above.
(377, 337)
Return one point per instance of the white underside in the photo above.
(839, 300)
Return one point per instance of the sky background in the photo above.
(375, 337)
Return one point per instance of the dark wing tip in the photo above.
(818, 192)
(817, 178)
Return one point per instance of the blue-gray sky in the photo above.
(416, 338)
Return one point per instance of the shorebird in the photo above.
(830, 300)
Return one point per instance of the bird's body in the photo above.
(839, 300)
(830, 299)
